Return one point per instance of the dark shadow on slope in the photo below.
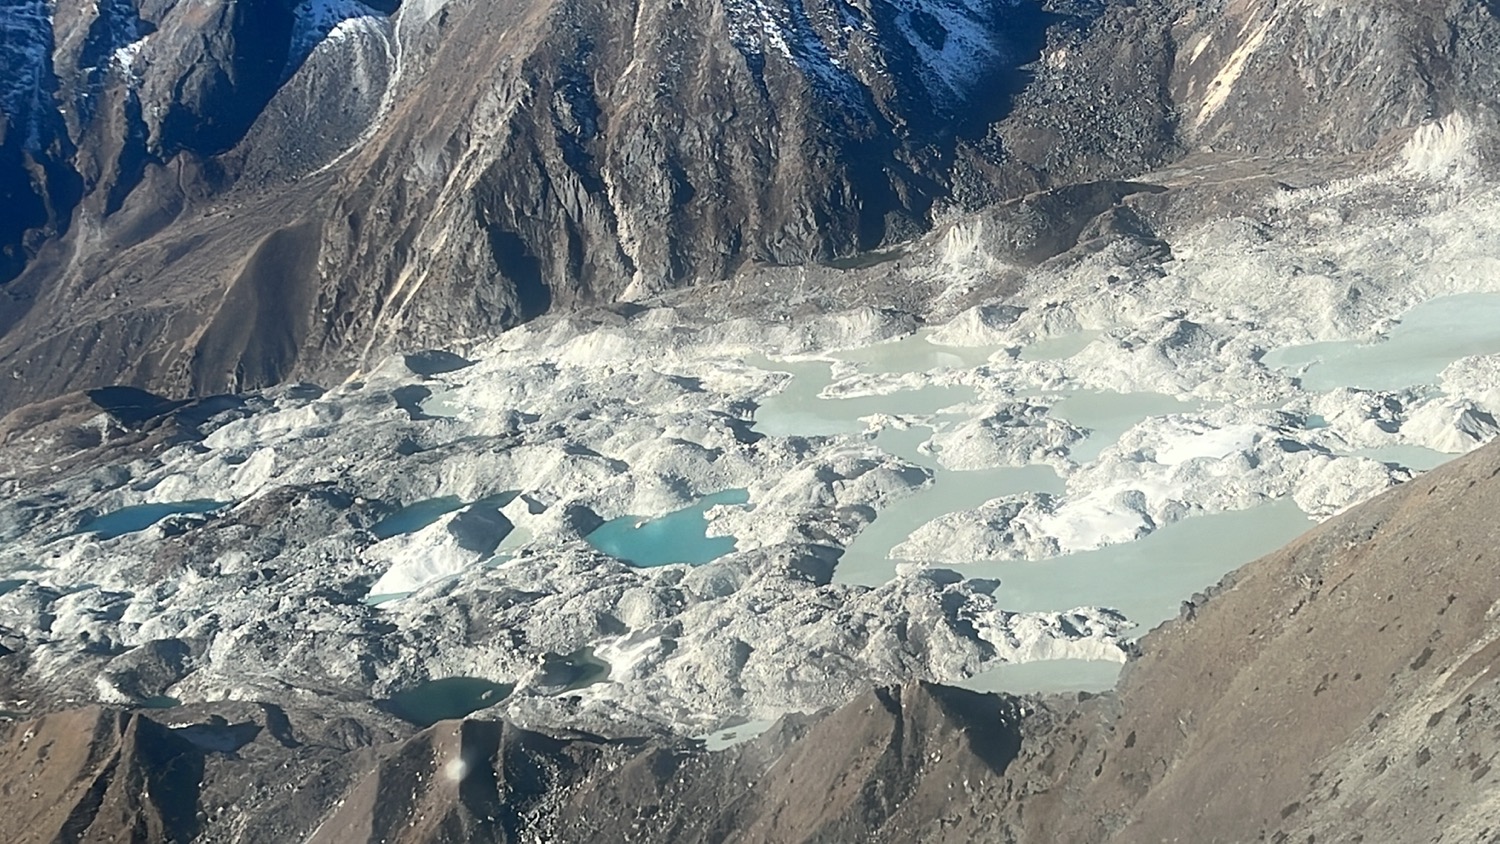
(409, 398)
(1025, 27)
(431, 362)
(1020, 31)
(24, 209)
(195, 413)
(524, 270)
(990, 723)
(132, 406)
(174, 775)
(228, 78)
(299, 53)
(38, 195)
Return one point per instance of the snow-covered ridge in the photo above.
(331, 20)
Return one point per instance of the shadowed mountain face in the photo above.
(213, 196)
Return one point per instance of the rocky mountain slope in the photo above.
(216, 196)
(1340, 689)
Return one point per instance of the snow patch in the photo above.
(124, 38)
(125, 59)
(953, 41)
(759, 28)
(1477, 378)
(1197, 439)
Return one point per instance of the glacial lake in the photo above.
(1049, 676)
(1146, 579)
(738, 734)
(421, 514)
(1060, 347)
(916, 353)
(577, 670)
(441, 404)
(867, 560)
(1429, 337)
(1108, 416)
(800, 410)
(141, 516)
(679, 537)
(446, 699)
(424, 514)
(1410, 456)
(414, 517)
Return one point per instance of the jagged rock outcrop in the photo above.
(218, 196)
(882, 767)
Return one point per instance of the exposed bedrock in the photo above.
(445, 170)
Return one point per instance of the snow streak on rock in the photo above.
(120, 34)
(815, 41)
(114, 45)
(953, 41)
